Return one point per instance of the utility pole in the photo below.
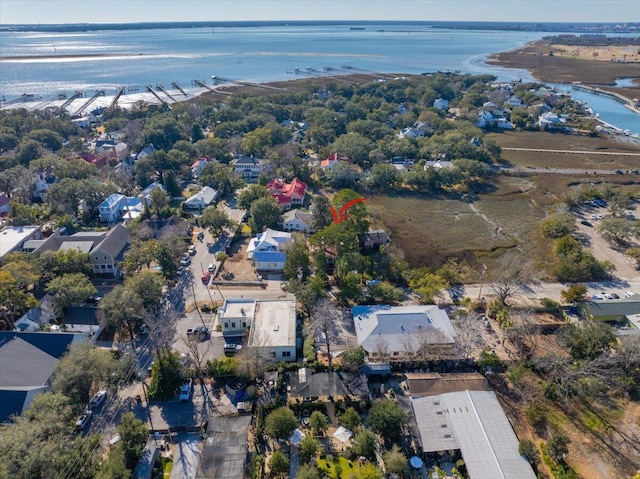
(193, 288)
(484, 270)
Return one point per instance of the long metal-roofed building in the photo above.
(474, 423)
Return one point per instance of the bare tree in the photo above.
(256, 358)
(327, 319)
(468, 333)
(524, 334)
(381, 348)
(197, 352)
(510, 277)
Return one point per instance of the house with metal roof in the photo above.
(112, 208)
(473, 424)
(225, 448)
(28, 362)
(297, 220)
(288, 195)
(201, 199)
(269, 240)
(400, 332)
(618, 310)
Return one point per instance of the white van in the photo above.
(211, 268)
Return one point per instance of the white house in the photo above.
(409, 132)
(269, 240)
(402, 332)
(441, 104)
(551, 121)
(235, 315)
(198, 165)
(271, 325)
(201, 199)
(112, 208)
(486, 119)
(145, 195)
(146, 151)
(515, 102)
(42, 184)
(249, 168)
(297, 220)
(269, 261)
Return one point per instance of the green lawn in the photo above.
(167, 464)
(338, 468)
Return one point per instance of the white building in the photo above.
(273, 330)
(12, 238)
(249, 168)
(145, 195)
(515, 102)
(269, 240)
(201, 199)
(401, 332)
(271, 325)
(112, 208)
(297, 220)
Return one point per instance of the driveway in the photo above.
(186, 454)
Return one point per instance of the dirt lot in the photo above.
(237, 267)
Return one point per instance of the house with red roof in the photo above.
(331, 161)
(288, 195)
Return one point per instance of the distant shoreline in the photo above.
(566, 27)
(535, 57)
(70, 57)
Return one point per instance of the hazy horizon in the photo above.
(33, 12)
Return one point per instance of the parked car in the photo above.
(206, 276)
(200, 235)
(614, 296)
(83, 420)
(192, 250)
(211, 268)
(628, 294)
(186, 390)
(586, 223)
(232, 348)
(180, 271)
(186, 261)
(98, 398)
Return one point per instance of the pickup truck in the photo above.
(206, 276)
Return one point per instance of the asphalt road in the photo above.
(552, 290)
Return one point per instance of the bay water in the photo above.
(46, 64)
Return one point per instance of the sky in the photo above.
(120, 11)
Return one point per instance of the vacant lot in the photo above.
(560, 141)
(430, 230)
